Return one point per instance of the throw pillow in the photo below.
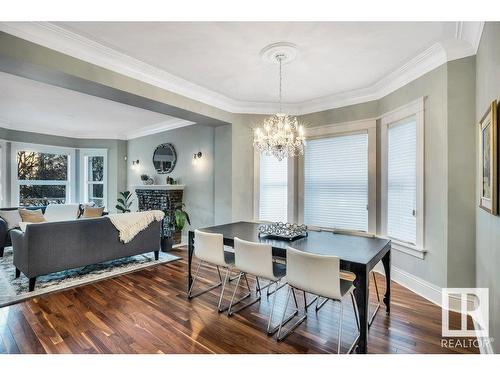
(11, 217)
(32, 216)
(90, 212)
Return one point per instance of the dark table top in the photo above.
(349, 248)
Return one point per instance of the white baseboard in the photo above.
(421, 287)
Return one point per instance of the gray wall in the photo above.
(488, 226)
(116, 154)
(439, 131)
(223, 174)
(199, 178)
(461, 172)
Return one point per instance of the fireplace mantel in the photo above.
(158, 187)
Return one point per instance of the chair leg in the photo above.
(18, 272)
(190, 292)
(1, 252)
(230, 310)
(370, 321)
(157, 254)
(224, 283)
(340, 326)
(319, 304)
(308, 304)
(356, 315)
(272, 308)
(284, 320)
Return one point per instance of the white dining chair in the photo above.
(209, 248)
(256, 259)
(349, 275)
(318, 275)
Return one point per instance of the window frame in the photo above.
(291, 166)
(416, 109)
(85, 153)
(69, 182)
(368, 126)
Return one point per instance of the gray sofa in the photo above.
(52, 247)
(5, 231)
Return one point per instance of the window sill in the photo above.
(408, 249)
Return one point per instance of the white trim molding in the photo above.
(52, 36)
(414, 108)
(423, 288)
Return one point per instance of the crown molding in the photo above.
(470, 32)
(170, 124)
(466, 42)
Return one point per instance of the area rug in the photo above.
(14, 290)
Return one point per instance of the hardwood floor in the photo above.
(147, 312)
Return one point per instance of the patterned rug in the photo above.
(14, 290)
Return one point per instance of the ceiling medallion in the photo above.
(281, 134)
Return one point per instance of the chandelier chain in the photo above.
(281, 134)
(279, 57)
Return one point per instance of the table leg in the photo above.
(386, 261)
(362, 293)
(190, 257)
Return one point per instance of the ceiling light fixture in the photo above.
(281, 134)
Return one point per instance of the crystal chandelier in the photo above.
(281, 134)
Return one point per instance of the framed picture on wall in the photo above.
(488, 199)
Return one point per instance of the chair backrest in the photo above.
(254, 258)
(209, 247)
(313, 273)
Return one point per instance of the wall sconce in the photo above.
(197, 155)
(135, 164)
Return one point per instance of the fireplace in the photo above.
(164, 198)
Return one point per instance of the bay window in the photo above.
(41, 175)
(93, 176)
(402, 177)
(273, 189)
(336, 182)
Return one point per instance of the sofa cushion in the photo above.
(11, 217)
(90, 212)
(32, 216)
(61, 212)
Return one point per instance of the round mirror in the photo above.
(164, 158)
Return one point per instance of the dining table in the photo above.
(358, 254)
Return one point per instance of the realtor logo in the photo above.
(471, 302)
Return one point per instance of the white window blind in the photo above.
(273, 198)
(336, 182)
(402, 180)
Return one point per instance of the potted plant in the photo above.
(146, 180)
(181, 217)
(124, 201)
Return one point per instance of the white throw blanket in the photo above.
(130, 224)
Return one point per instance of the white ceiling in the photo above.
(34, 106)
(218, 63)
(224, 56)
